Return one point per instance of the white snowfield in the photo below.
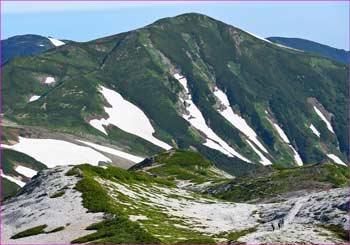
(57, 152)
(196, 119)
(264, 160)
(28, 172)
(34, 98)
(314, 130)
(127, 117)
(336, 159)
(56, 42)
(49, 80)
(241, 124)
(13, 179)
(133, 158)
(323, 118)
(285, 139)
(35, 207)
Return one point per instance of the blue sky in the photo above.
(324, 22)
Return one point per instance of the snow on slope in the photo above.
(236, 120)
(127, 117)
(323, 118)
(13, 179)
(112, 151)
(28, 172)
(34, 207)
(57, 152)
(284, 137)
(49, 80)
(196, 119)
(336, 159)
(264, 160)
(34, 98)
(56, 42)
(314, 130)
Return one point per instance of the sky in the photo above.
(323, 22)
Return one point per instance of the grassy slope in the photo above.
(255, 75)
(180, 165)
(270, 182)
(119, 229)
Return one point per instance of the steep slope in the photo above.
(26, 45)
(171, 71)
(129, 207)
(339, 55)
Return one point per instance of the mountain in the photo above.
(113, 206)
(339, 55)
(189, 82)
(26, 45)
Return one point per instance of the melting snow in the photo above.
(196, 119)
(13, 179)
(34, 98)
(323, 118)
(336, 159)
(236, 120)
(127, 117)
(264, 160)
(28, 172)
(50, 80)
(57, 152)
(115, 152)
(284, 137)
(314, 130)
(56, 42)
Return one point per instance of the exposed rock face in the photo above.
(36, 205)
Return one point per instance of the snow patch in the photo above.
(115, 152)
(56, 42)
(336, 159)
(13, 179)
(34, 98)
(50, 80)
(264, 160)
(314, 130)
(28, 172)
(57, 152)
(281, 133)
(196, 119)
(236, 120)
(284, 137)
(137, 217)
(323, 118)
(127, 117)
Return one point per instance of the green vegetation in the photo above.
(183, 165)
(57, 194)
(234, 236)
(95, 198)
(60, 228)
(268, 182)
(9, 188)
(198, 241)
(30, 232)
(338, 231)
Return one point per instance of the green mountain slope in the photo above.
(339, 55)
(23, 45)
(269, 183)
(257, 77)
